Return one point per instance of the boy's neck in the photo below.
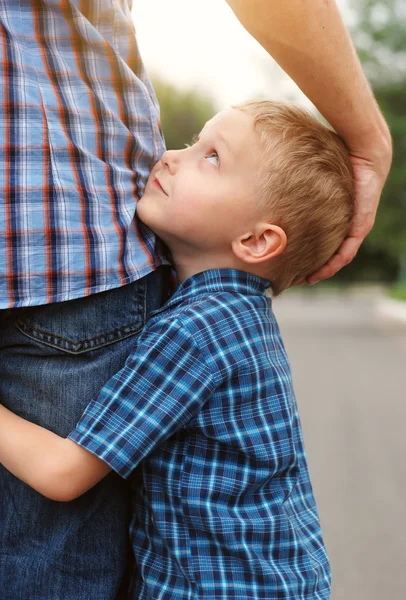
(184, 270)
(186, 266)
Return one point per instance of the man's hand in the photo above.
(369, 178)
(310, 42)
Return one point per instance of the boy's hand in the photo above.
(53, 466)
(369, 178)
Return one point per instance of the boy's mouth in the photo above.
(157, 184)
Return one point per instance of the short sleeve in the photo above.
(163, 385)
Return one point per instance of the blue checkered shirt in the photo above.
(79, 132)
(204, 405)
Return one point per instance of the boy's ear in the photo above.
(261, 244)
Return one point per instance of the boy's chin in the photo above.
(143, 213)
(149, 222)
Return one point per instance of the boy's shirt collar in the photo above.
(214, 281)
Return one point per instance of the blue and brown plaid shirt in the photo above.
(79, 131)
(205, 408)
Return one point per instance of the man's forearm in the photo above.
(310, 42)
(54, 466)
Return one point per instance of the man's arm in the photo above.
(56, 467)
(310, 42)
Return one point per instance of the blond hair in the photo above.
(305, 185)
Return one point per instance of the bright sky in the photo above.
(196, 43)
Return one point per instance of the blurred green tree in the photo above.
(389, 232)
(379, 33)
(183, 112)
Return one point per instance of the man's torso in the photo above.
(79, 132)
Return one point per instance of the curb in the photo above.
(392, 309)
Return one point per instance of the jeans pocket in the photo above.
(88, 323)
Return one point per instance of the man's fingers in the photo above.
(341, 258)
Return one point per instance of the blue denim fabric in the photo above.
(54, 359)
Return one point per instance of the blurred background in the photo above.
(346, 338)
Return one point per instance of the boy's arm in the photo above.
(56, 467)
(162, 386)
(310, 42)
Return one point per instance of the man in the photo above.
(79, 276)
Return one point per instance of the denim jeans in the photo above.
(53, 360)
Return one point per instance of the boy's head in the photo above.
(265, 188)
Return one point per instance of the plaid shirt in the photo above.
(79, 131)
(205, 406)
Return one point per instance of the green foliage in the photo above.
(380, 37)
(390, 229)
(371, 265)
(398, 292)
(183, 113)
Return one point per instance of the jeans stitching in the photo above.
(49, 338)
(83, 346)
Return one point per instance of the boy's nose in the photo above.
(171, 159)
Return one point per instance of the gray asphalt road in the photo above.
(349, 371)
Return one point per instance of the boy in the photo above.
(205, 405)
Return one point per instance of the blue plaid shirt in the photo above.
(205, 406)
(79, 132)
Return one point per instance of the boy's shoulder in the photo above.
(222, 311)
(222, 308)
(218, 309)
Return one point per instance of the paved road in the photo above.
(349, 371)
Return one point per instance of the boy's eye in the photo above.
(213, 156)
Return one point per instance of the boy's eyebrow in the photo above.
(220, 137)
(226, 143)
